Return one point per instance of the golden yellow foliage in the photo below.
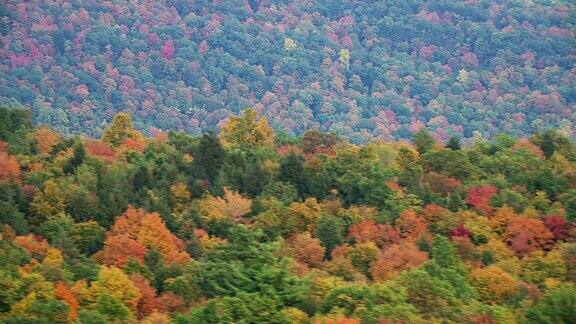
(504, 256)
(232, 205)
(320, 286)
(502, 218)
(540, 267)
(493, 284)
(156, 318)
(120, 130)
(115, 282)
(180, 198)
(303, 215)
(247, 129)
(295, 315)
(53, 258)
(48, 203)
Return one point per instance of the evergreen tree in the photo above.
(424, 141)
(210, 157)
(292, 171)
(453, 143)
(548, 143)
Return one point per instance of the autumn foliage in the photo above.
(479, 198)
(202, 229)
(135, 232)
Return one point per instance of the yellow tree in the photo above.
(304, 215)
(247, 129)
(120, 130)
(114, 282)
(493, 284)
(180, 197)
(47, 203)
(232, 205)
(344, 57)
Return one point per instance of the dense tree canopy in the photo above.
(311, 229)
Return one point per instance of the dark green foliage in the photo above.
(453, 143)
(547, 144)
(13, 207)
(292, 171)
(52, 310)
(12, 120)
(424, 141)
(247, 265)
(243, 308)
(210, 157)
(88, 237)
(92, 317)
(330, 231)
(569, 201)
(451, 163)
(282, 191)
(12, 255)
(112, 308)
(77, 158)
(244, 172)
(370, 303)
(558, 306)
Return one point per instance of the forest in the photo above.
(252, 225)
(359, 69)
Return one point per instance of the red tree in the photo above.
(559, 227)
(527, 235)
(168, 50)
(479, 198)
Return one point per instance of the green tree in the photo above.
(88, 237)
(112, 308)
(330, 231)
(77, 158)
(13, 119)
(210, 156)
(292, 171)
(245, 265)
(242, 308)
(558, 306)
(548, 143)
(424, 141)
(453, 143)
(47, 203)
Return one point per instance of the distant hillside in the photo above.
(362, 69)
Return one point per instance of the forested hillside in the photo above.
(247, 226)
(361, 69)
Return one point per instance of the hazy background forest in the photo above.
(361, 69)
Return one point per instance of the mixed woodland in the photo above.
(251, 225)
(360, 69)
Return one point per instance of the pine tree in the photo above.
(424, 141)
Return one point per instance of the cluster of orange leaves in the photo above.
(134, 233)
(9, 166)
